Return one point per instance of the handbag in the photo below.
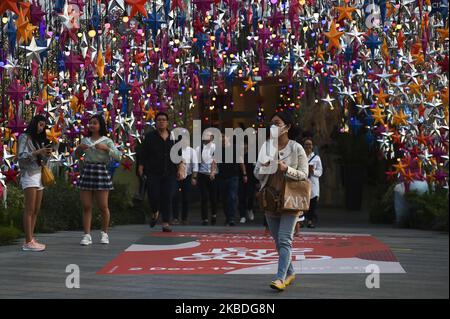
(281, 195)
(47, 176)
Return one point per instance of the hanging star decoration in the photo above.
(137, 6)
(249, 84)
(9, 5)
(333, 37)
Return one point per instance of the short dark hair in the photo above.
(103, 131)
(161, 114)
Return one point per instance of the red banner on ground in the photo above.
(250, 253)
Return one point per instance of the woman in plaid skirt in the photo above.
(95, 181)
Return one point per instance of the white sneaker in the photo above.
(86, 240)
(250, 215)
(243, 220)
(104, 238)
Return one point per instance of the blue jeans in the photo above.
(282, 230)
(230, 191)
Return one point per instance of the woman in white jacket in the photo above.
(315, 172)
(285, 157)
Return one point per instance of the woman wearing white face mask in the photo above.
(282, 157)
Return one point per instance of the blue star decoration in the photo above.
(204, 76)
(181, 19)
(154, 22)
(348, 53)
(42, 42)
(12, 36)
(124, 88)
(95, 17)
(372, 43)
(201, 40)
(229, 77)
(273, 64)
(61, 64)
(355, 125)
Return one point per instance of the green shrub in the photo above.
(8, 235)
(382, 209)
(12, 214)
(60, 209)
(429, 210)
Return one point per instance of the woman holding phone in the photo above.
(34, 150)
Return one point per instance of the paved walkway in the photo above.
(423, 254)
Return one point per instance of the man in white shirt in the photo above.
(207, 178)
(184, 186)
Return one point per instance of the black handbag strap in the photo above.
(312, 158)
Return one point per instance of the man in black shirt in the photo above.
(161, 172)
(229, 174)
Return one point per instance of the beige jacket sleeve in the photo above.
(300, 172)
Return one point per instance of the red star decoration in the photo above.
(203, 5)
(424, 139)
(39, 103)
(72, 64)
(9, 5)
(16, 92)
(444, 64)
(127, 165)
(137, 5)
(177, 4)
(48, 78)
(11, 175)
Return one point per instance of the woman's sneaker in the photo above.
(250, 215)
(243, 220)
(104, 239)
(86, 240)
(33, 246)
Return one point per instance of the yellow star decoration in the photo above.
(418, 58)
(400, 118)
(345, 13)
(53, 134)
(430, 94)
(443, 33)
(414, 88)
(377, 114)
(45, 96)
(24, 28)
(249, 84)
(107, 116)
(359, 98)
(391, 9)
(319, 53)
(400, 167)
(382, 97)
(445, 96)
(14, 145)
(385, 51)
(100, 65)
(75, 105)
(149, 114)
(333, 37)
